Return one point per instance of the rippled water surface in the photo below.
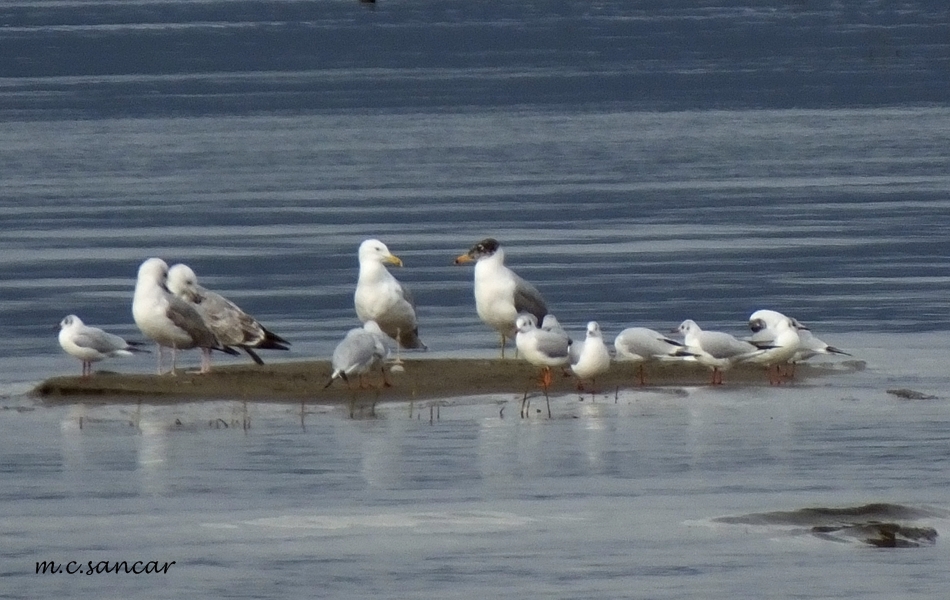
(641, 165)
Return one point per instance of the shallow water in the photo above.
(641, 166)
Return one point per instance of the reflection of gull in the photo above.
(715, 349)
(763, 322)
(168, 320)
(362, 350)
(591, 357)
(380, 297)
(91, 344)
(642, 345)
(500, 294)
(230, 324)
(541, 348)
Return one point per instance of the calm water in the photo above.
(642, 165)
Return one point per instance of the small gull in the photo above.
(91, 344)
(591, 358)
(715, 349)
(362, 350)
(779, 350)
(230, 324)
(380, 297)
(168, 320)
(500, 294)
(642, 345)
(763, 322)
(541, 348)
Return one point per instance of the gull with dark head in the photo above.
(500, 294)
(642, 345)
(779, 350)
(168, 320)
(231, 325)
(91, 344)
(382, 298)
(715, 349)
(763, 323)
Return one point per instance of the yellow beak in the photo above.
(393, 260)
(465, 258)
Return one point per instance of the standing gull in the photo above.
(500, 294)
(779, 350)
(380, 297)
(360, 351)
(91, 344)
(763, 323)
(231, 325)
(168, 320)
(715, 349)
(591, 358)
(642, 345)
(541, 348)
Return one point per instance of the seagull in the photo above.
(168, 320)
(362, 350)
(541, 348)
(715, 349)
(763, 322)
(591, 357)
(91, 344)
(642, 345)
(380, 297)
(779, 350)
(500, 294)
(231, 325)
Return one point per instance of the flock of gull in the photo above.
(173, 310)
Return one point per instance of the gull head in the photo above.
(376, 251)
(182, 280)
(525, 323)
(686, 327)
(70, 321)
(483, 249)
(153, 269)
(593, 330)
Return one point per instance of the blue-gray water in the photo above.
(642, 165)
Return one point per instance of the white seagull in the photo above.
(541, 348)
(362, 350)
(500, 294)
(91, 344)
(763, 322)
(642, 345)
(715, 349)
(167, 319)
(779, 350)
(591, 357)
(231, 325)
(380, 297)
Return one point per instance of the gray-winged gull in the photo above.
(231, 325)
(91, 344)
(500, 294)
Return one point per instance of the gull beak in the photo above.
(465, 258)
(392, 259)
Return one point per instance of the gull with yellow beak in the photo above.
(380, 297)
(500, 295)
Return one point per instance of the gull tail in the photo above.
(338, 374)
(833, 350)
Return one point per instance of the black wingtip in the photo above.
(253, 355)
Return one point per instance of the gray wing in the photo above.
(723, 345)
(186, 317)
(528, 299)
(407, 295)
(229, 323)
(99, 340)
(357, 351)
(551, 344)
(574, 350)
